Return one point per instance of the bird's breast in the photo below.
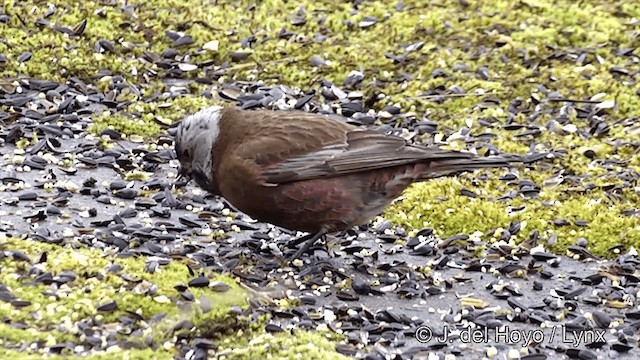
(333, 203)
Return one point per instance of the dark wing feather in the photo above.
(363, 150)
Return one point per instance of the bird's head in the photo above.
(194, 140)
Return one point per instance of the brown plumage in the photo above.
(305, 171)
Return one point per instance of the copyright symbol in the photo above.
(424, 334)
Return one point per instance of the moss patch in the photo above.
(121, 354)
(441, 205)
(52, 313)
(124, 41)
(283, 345)
(494, 54)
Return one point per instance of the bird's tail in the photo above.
(459, 163)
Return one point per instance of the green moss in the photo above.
(453, 34)
(133, 355)
(12, 335)
(50, 319)
(144, 118)
(136, 175)
(283, 345)
(53, 312)
(143, 354)
(530, 26)
(124, 124)
(225, 325)
(438, 204)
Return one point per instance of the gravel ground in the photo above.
(379, 289)
(101, 253)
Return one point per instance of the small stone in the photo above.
(162, 299)
(211, 46)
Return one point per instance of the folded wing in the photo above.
(366, 150)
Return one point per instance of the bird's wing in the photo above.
(363, 150)
(295, 146)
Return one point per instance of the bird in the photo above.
(306, 171)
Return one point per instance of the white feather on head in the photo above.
(194, 141)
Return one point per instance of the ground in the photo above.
(99, 254)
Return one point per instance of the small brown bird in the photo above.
(304, 171)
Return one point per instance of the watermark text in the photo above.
(507, 335)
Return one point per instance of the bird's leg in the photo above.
(300, 240)
(308, 241)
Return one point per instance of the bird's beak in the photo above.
(182, 179)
